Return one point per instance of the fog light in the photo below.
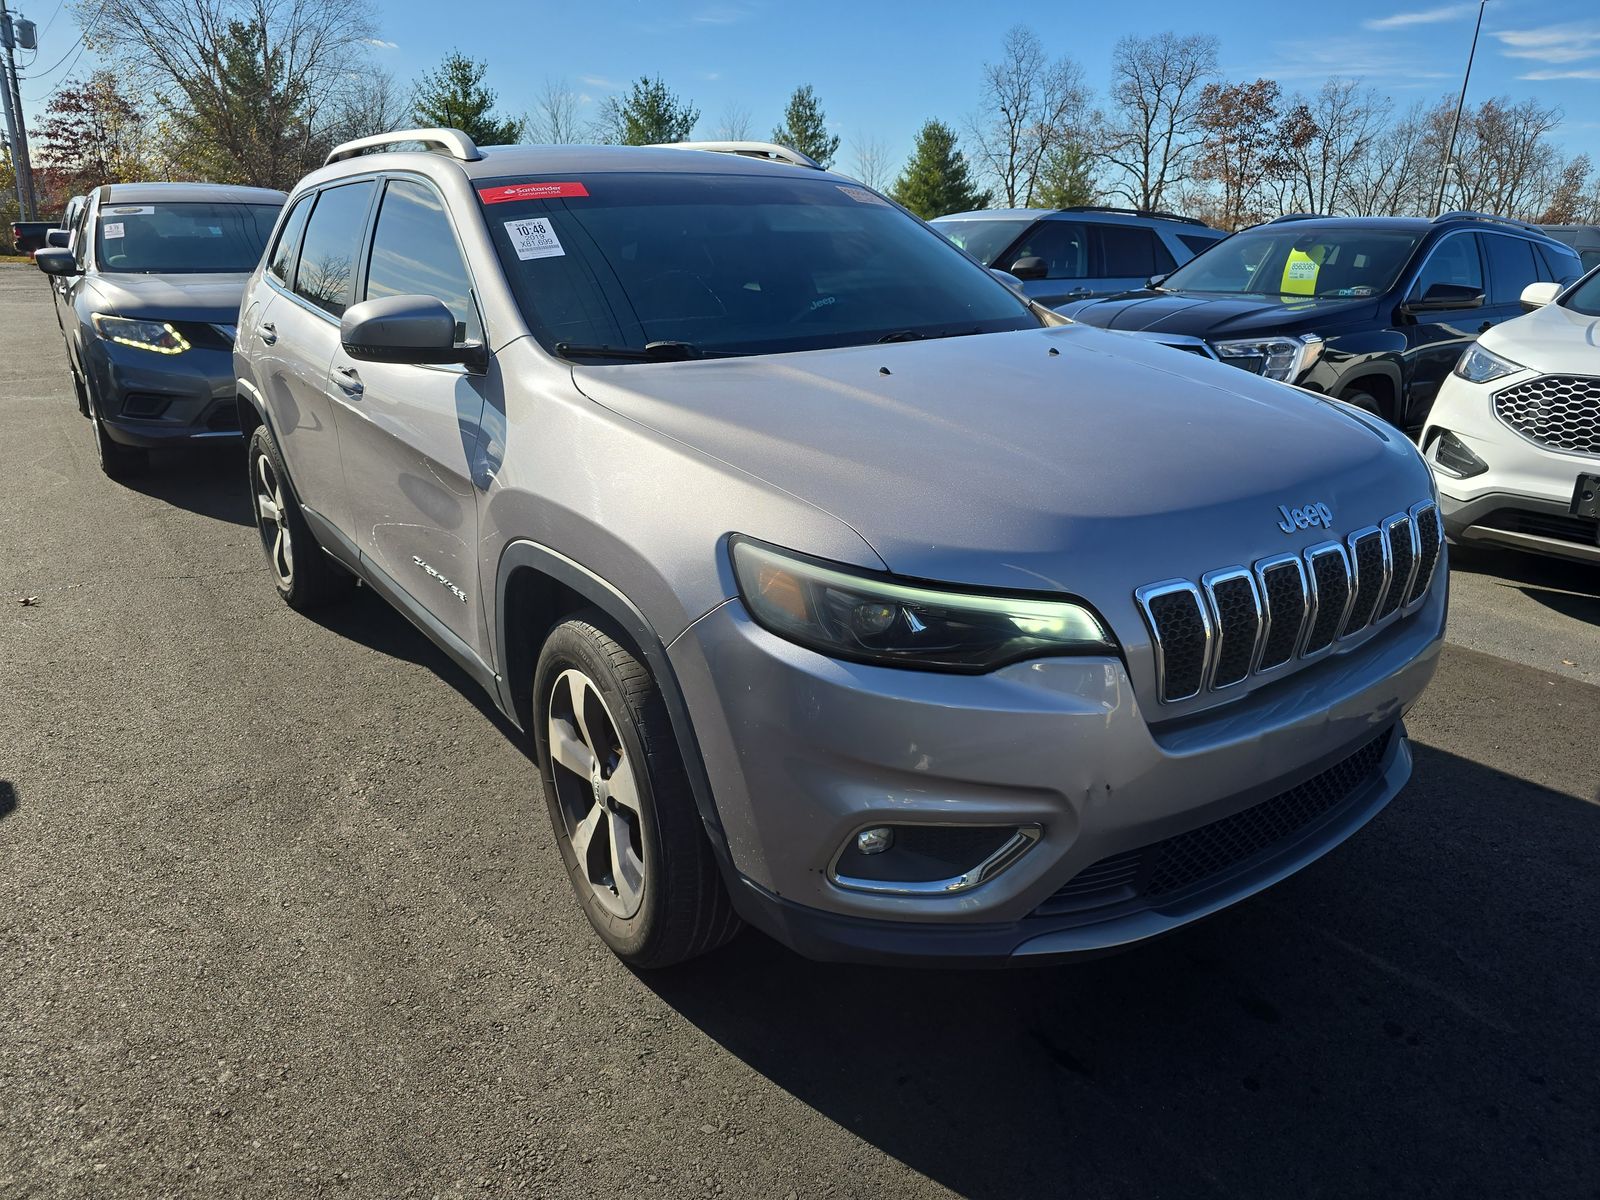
(1454, 457)
(874, 841)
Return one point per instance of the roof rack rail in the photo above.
(1468, 215)
(451, 142)
(769, 151)
(1297, 217)
(1132, 212)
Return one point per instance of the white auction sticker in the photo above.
(533, 238)
(111, 229)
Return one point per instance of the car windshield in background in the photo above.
(183, 237)
(984, 240)
(731, 264)
(1294, 261)
(1585, 297)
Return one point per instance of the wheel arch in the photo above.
(1382, 381)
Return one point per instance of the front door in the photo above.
(1436, 338)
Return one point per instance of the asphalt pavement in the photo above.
(280, 916)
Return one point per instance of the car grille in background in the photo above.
(1242, 621)
(1180, 863)
(1559, 411)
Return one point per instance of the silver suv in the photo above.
(842, 591)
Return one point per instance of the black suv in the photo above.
(1373, 310)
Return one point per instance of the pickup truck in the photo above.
(28, 236)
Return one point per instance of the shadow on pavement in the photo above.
(8, 798)
(1412, 1016)
(208, 480)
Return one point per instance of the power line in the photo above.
(81, 47)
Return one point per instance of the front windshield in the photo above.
(1294, 261)
(182, 237)
(1585, 298)
(984, 240)
(731, 264)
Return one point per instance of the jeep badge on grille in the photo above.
(1305, 517)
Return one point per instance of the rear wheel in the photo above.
(305, 577)
(630, 835)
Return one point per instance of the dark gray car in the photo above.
(840, 589)
(147, 295)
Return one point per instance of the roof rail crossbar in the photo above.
(1132, 212)
(1468, 215)
(770, 151)
(451, 142)
(1297, 217)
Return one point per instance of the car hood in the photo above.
(1200, 315)
(171, 297)
(1051, 458)
(1550, 340)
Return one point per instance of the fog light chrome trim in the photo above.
(1018, 844)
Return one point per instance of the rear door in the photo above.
(1435, 340)
(409, 433)
(1513, 265)
(1126, 257)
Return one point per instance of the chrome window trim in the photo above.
(1208, 583)
(1262, 566)
(1355, 574)
(1018, 844)
(1153, 591)
(1311, 554)
(1417, 512)
(1386, 527)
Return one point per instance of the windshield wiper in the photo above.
(911, 335)
(664, 351)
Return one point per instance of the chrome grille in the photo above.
(1559, 411)
(1243, 621)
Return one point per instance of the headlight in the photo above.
(845, 613)
(145, 335)
(1280, 358)
(1477, 365)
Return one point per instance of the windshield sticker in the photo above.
(534, 238)
(861, 196)
(111, 229)
(531, 191)
(129, 210)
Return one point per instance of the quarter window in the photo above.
(1454, 261)
(326, 275)
(281, 267)
(1511, 266)
(414, 253)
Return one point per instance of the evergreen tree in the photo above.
(1067, 179)
(453, 97)
(805, 128)
(937, 180)
(650, 114)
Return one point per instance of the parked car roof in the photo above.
(227, 193)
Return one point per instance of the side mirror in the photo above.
(56, 262)
(1007, 278)
(1030, 268)
(1537, 295)
(58, 238)
(1442, 296)
(404, 329)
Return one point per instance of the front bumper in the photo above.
(146, 399)
(803, 751)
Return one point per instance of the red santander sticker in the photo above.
(531, 191)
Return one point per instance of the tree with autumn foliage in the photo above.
(93, 133)
(1240, 122)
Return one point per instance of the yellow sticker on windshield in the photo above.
(1300, 273)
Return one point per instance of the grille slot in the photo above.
(1559, 411)
(1236, 610)
(1330, 591)
(1283, 583)
(1372, 577)
(1400, 539)
(1430, 538)
(1182, 632)
(1190, 859)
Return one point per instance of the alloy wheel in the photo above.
(598, 791)
(272, 519)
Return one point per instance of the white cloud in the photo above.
(1586, 73)
(600, 81)
(1551, 43)
(1352, 57)
(381, 44)
(720, 14)
(1427, 16)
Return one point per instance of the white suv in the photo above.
(1514, 437)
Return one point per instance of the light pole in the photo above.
(1450, 150)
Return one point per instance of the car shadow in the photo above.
(207, 480)
(8, 798)
(1569, 588)
(1411, 1016)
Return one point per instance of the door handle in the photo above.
(347, 379)
(267, 332)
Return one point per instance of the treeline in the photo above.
(256, 92)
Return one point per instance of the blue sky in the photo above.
(882, 69)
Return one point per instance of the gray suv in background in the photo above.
(842, 591)
(1070, 254)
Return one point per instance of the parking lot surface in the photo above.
(280, 916)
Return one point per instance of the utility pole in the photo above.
(1450, 150)
(16, 124)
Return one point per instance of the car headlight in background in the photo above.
(845, 613)
(157, 336)
(1477, 365)
(1282, 358)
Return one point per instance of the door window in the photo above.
(326, 275)
(1454, 261)
(281, 265)
(414, 253)
(1062, 244)
(1129, 251)
(1512, 266)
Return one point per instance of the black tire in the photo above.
(683, 910)
(116, 460)
(81, 391)
(312, 579)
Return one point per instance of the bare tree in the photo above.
(1030, 105)
(736, 124)
(1504, 161)
(1240, 153)
(1326, 140)
(1153, 130)
(372, 103)
(554, 119)
(872, 166)
(1395, 177)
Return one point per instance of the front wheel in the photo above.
(620, 805)
(305, 577)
